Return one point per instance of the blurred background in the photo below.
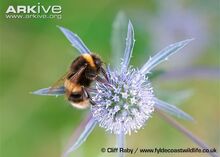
(34, 54)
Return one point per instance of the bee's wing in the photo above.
(75, 40)
(171, 109)
(74, 77)
(56, 89)
(60, 82)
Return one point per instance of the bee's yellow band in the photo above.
(89, 59)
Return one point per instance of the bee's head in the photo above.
(97, 61)
(92, 72)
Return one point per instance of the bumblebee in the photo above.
(82, 72)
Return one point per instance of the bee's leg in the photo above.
(89, 89)
(104, 81)
(101, 80)
(104, 73)
(92, 102)
(86, 93)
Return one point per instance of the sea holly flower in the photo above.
(126, 105)
(126, 102)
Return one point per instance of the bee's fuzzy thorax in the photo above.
(89, 59)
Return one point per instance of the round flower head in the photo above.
(124, 105)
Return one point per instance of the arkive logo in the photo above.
(33, 11)
(55, 9)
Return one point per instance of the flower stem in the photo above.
(185, 131)
(121, 143)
